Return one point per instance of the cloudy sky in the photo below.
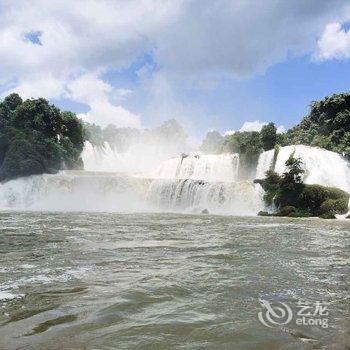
(210, 64)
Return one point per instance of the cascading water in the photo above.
(239, 198)
(222, 167)
(140, 157)
(75, 191)
(265, 163)
(187, 183)
(321, 167)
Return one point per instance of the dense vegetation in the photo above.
(327, 125)
(291, 197)
(248, 144)
(36, 138)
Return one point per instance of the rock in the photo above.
(205, 211)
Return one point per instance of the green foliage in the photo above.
(268, 135)
(329, 215)
(327, 125)
(295, 199)
(22, 159)
(93, 133)
(293, 175)
(36, 137)
(335, 206)
(213, 142)
(249, 147)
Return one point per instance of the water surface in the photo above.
(168, 281)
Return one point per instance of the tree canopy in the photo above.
(268, 135)
(36, 137)
(327, 125)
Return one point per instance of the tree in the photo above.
(268, 136)
(295, 170)
(72, 128)
(248, 145)
(212, 143)
(326, 125)
(36, 137)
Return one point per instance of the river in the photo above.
(169, 281)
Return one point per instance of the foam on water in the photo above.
(6, 296)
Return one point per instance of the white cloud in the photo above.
(243, 37)
(96, 93)
(229, 132)
(252, 126)
(103, 113)
(257, 126)
(281, 129)
(334, 43)
(186, 38)
(38, 86)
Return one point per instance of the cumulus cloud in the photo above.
(96, 93)
(252, 126)
(334, 43)
(243, 37)
(48, 47)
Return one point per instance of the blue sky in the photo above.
(211, 65)
(282, 94)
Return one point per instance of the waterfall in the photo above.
(186, 183)
(139, 157)
(222, 167)
(238, 198)
(114, 192)
(265, 163)
(75, 191)
(321, 166)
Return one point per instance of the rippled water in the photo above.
(168, 281)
